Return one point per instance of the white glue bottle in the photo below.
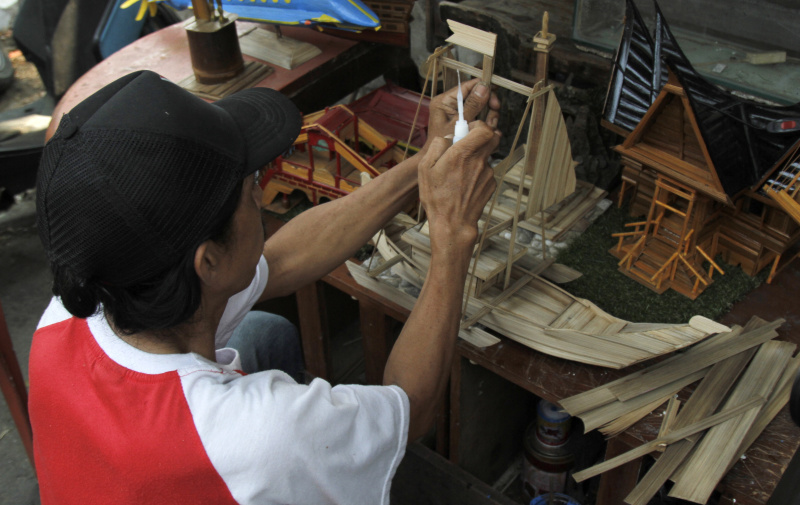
(462, 127)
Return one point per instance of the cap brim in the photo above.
(268, 121)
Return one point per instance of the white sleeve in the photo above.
(275, 441)
(240, 304)
(54, 313)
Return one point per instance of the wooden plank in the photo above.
(425, 473)
(376, 350)
(314, 330)
(708, 463)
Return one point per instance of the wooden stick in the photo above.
(386, 265)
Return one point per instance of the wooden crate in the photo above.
(394, 15)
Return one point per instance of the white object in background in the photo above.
(8, 13)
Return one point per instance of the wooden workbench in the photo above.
(751, 481)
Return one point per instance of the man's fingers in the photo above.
(481, 139)
(476, 100)
(436, 149)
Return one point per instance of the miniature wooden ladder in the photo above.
(662, 247)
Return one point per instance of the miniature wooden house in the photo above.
(330, 155)
(714, 174)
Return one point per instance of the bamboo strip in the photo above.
(593, 398)
(474, 336)
(669, 416)
(471, 38)
(386, 265)
(496, 79)
(611, 411)
(627, 420)
(491, 305)
(701, 360)
(670, 438)
(708, 463)
(505, 166)
(705, 400)
(780, 397)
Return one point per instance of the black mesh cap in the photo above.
(136, 174)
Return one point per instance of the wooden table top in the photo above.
(166, 52)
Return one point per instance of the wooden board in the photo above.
(284, 52)
(253, 73)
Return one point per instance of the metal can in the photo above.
(552, 425)
(545, 468)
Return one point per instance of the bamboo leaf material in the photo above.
(675, 436)
(699, 361)
(705, 400)
(593, 398)
(709, 461)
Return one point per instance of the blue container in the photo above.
(553, 499)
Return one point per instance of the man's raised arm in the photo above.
(323, 237)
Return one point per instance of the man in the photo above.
(149, 210)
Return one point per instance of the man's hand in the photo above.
(455, 182)
(444, 109)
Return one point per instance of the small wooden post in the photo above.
(543, 43)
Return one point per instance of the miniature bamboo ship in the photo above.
(507, 290)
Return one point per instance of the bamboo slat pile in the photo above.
(745, 379)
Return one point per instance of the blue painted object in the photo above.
(118, 28)
(350, 15)
(553, 499)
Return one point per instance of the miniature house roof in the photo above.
(334, 118)
(743, 138)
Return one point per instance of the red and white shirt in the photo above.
(113, 424)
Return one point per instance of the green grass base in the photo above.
(603, 284)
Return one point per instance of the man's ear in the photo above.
(206, 261)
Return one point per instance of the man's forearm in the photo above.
(420, 359)
(321, 238)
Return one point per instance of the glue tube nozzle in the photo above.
(462, 127)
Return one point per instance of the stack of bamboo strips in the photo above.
(699, 446)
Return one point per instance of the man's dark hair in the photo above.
(162, 302)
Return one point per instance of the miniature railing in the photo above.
(636, 248)
(711, 263)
